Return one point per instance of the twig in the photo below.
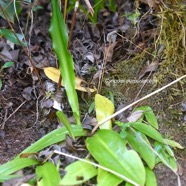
(90, 9)
(2, 127)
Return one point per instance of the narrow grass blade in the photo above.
(54, 137)
(58, 32)
(15, 165)
(65, 122)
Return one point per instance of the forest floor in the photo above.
(26, 114)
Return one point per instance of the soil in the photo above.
(26, 114)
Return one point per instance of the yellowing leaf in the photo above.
(104, 108)
(54, 74)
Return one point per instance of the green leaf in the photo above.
(58, 32)
(173, 143)
(165, 157)
(104, 108)
(91, 108)
(168, 150)
(7, 64)
(105, 178)
(55, 136)
(150, 177)
(148, 130)
(1, 84)
(63, 119)
(15, 165)
(47, 175)
(4, 178)
(35, 8)
(112, 5)
(128, 184)
(78, 172)
(9, 35)
(140, 143)
(98, 6)
(8, 6)
(109, 149)
(149, 115)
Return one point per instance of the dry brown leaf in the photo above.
(54, 74)
(149, 68)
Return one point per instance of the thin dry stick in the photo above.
(73, 22)
(97, 165)
(90, 9)
(12, 114)
(135, 102)
(65, 9)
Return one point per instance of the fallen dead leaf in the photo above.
(149, 68)
(53, 74)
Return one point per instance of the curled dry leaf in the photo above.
(109, 51)
(135, 116)
(54, 74)
(149, 68)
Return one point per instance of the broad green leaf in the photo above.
(165, 157)
(149, 115)
(47, 175)
(105, 178)
(15, 165)
(109, 149)
(78, 172)
(55, 136)
(173, 143)
(150, 177)
(63, 119)
(7, 64)
(59, 34)
(148, 130)
(8, 34)
(104, 108)
(140, 144)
